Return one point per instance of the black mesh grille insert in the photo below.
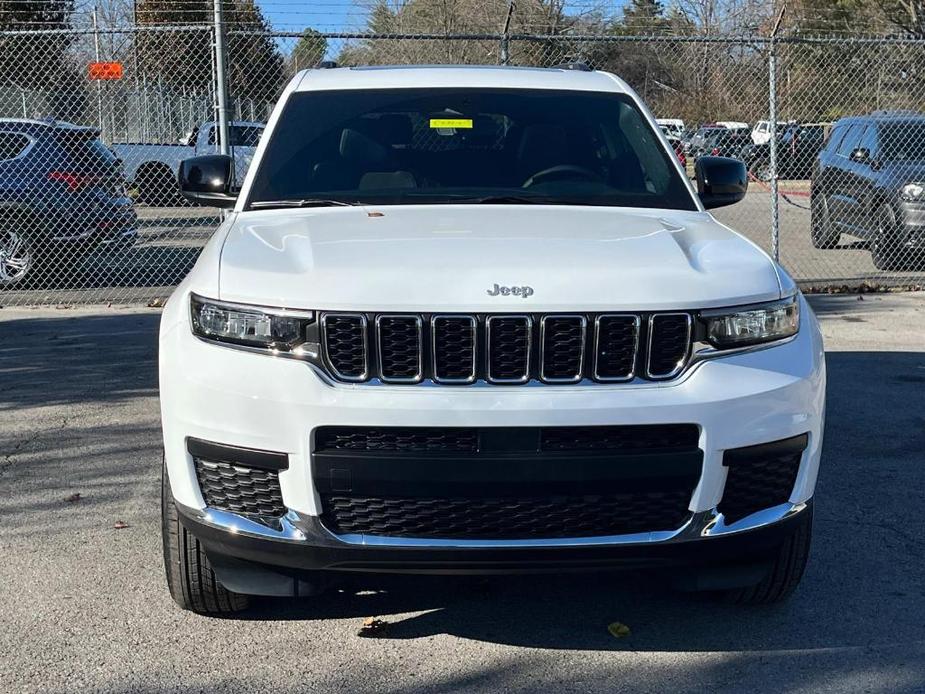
(507, 518)
(345, 345)
(563, 348)
(509, 339)
(400, 439)
(616, 346)
(669, 343)
(620, 438)
(239, 489)
(760, 477)
(454, 348)
(400, 348)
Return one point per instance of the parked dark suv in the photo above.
(869, 182)
(798, 146)
(62, 194)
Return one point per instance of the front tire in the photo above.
(822, 231)
(787, 566)
(761, 170)
(192, 582)
(885, 251)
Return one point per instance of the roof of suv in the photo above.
(32, 125)
(476, 76)
(884, 117)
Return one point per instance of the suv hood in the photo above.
(448, 257)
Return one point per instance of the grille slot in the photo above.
(669, 344)
(616, 342)
(510, 341)
(508, 517)
(454, 348)
(399, 341)
(562, 348)
(239, 489)
(397, 439)
(760, 476)
(345, 341)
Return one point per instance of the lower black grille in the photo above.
(398, 439)
(760, 476)
(508, 518)
(505, 482)
(239, 489)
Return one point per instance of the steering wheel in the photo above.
(562, 171)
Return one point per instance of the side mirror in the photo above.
(208, 180)
(861, 155)
(721, 181)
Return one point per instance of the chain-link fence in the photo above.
(90, 211)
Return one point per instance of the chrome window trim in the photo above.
(682, 364)
(581, 360)
(419, 324)
(637, 321)
(324, 346)
(30, 143)
(474, 323)
(488, 322)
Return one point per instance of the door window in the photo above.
(851, 140)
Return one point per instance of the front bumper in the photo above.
(258, 402)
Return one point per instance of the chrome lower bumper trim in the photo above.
(308, 531)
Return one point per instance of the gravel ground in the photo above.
(83, 605)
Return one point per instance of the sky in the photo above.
(324, 15)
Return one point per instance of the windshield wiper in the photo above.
(304, 202)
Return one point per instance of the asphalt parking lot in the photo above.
(83, 605)
(169, 240)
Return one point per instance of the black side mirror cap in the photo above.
(721, 181)
(861, 155)
(208, 180)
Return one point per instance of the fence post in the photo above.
(772, 115)
(221, 81)
(506, 34)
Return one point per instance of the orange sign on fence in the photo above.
(104, 71)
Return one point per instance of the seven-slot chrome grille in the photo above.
(505, 349)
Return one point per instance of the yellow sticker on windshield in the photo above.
(445, 123)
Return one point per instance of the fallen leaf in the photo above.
(618, 630)
(120, 525)
(373, 627)
(156, 303)
(73, 497)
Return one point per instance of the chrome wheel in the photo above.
(15, 258)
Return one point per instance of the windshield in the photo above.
(903, 141)
(424, 146)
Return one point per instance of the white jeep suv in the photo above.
(477, 319)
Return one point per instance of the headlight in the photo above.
(912, 192)
(275, 330)
(752, 325)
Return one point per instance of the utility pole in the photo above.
(99, 85)
(772, 108)
(506, 34)
(221, 78)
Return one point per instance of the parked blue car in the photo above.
(62, 195)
